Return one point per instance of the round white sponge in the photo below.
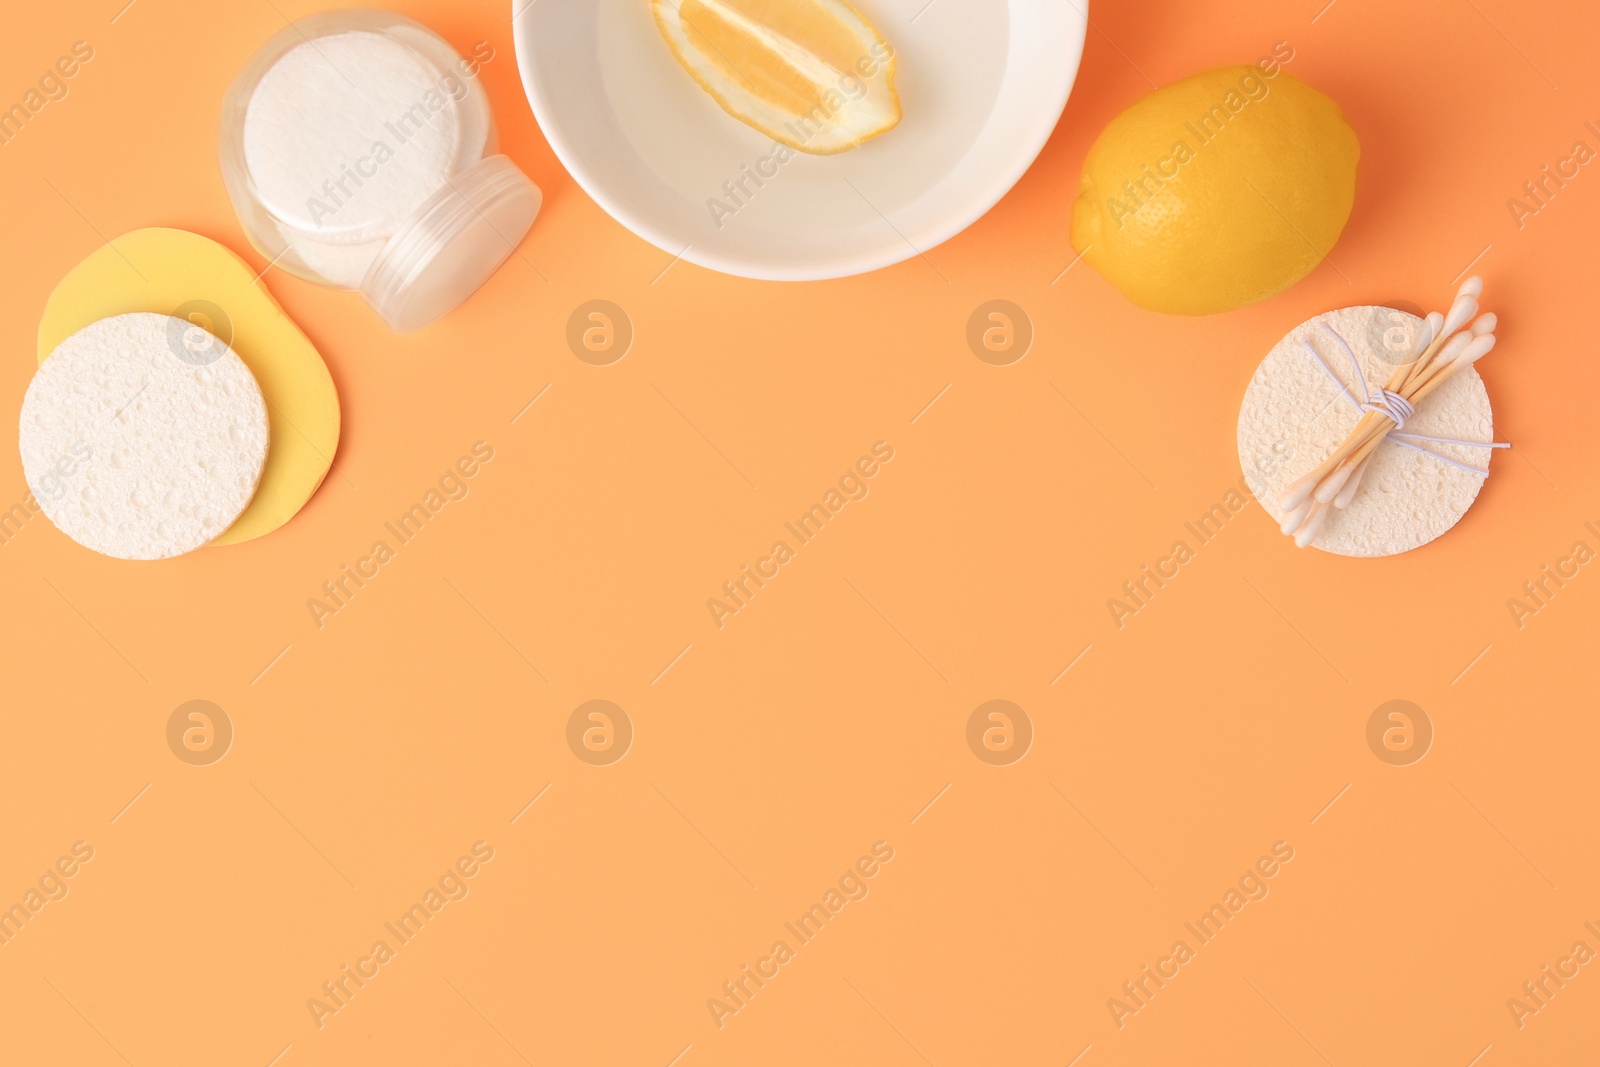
(143, 436)
(1294, 417)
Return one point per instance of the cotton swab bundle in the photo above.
(1444, 346)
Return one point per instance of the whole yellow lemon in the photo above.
(1217, 192)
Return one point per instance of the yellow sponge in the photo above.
(173, 272)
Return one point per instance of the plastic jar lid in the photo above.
(452, 245)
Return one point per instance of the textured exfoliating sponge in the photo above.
(143, 437)
(172, 272)
(1294, 417)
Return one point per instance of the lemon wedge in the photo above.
(810, 74)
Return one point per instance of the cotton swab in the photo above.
(1445, 345)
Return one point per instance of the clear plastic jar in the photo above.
(359, 151)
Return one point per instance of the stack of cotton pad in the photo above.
(1295, 416)
(143, 436)
(351, 100)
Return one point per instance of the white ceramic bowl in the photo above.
(982, 83)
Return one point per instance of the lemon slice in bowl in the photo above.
(810, 74)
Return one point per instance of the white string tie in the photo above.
(1395, 406)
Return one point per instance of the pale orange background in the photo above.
(825, 717)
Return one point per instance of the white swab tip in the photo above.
(1295, 517)
(1297, 494)
(1330, 486)
(1473, 287)
(1454, 347)
(1425, 336)
(1479, 348)
(1463, 311)
(1312, 526)
(1348, 493)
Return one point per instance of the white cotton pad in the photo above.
(143, 436)
(1294, 417)
(345, 138)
